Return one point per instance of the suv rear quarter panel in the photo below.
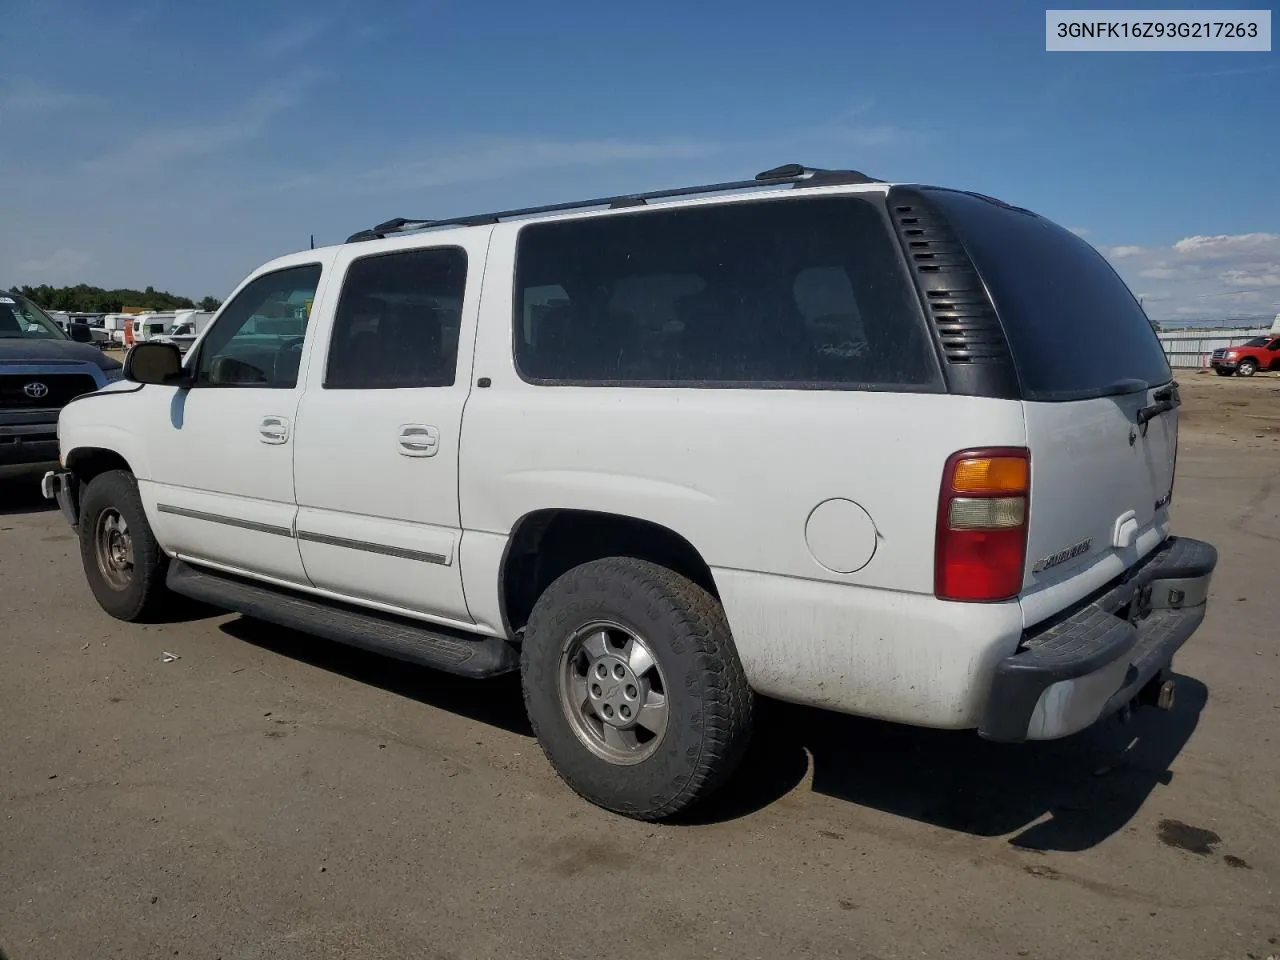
(739, 474)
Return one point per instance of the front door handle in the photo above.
(418, 440)
(274, 429)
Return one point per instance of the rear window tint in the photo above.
(795, 293)
(397, 321)
(1073, 325)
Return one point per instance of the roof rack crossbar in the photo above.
(793, 173)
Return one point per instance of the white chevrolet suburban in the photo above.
(892, 450)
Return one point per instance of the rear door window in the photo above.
(397, 321)
(805, 293)
(1074, 327)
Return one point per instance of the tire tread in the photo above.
(118, 488)
(727, 705)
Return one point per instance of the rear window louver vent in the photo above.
(955, 301)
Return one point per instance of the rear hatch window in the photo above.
(1074, 328)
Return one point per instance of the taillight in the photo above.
(981, 547)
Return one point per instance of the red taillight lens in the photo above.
(983, 510)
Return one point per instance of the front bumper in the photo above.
(61, 485)
(1074, 672)
(28, 438)
(1222, 364)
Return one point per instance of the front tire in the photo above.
(1247, 368)
(1223, 373)
(123, 563)
(634, 688)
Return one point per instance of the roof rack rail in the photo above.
(797, 175)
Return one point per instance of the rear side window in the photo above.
(397, 321)
(1073, 326)
(794, 293)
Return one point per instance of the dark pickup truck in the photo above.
(41, 371)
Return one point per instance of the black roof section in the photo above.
(796, 174)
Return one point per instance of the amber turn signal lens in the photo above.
(991, 475)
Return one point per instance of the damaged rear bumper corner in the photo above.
(1082, 668)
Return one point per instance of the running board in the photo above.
(431, 646)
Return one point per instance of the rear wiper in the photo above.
(1122, 387)
(1166, 399)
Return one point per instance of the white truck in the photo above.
(115, 323)
(185, 329)
(888, 449)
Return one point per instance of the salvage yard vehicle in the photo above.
(887, 449)
(187, 327)
(41, 369)
(1246, 359)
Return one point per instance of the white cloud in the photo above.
(291, 37)
(1245, 278)
(478, 159)
(1206, 277)
(851, 130)
(161, 146)
(481, 158)
(62, 266)
(1228, 245)
(369, 32)
(1237, 72)
(1079, 231)
(26, 98)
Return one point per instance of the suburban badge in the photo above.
(1062, 556)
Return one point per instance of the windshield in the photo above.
(19, 317)
(1257, 342)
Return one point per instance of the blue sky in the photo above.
(180, 144)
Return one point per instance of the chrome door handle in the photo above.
(274, 430)
(418, 440)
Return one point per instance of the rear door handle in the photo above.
(274, 429)
(418, 440)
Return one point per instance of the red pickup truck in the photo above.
(1246, 359)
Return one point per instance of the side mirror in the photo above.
(80, 333)
(158, 363)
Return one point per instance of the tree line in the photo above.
(83, 298)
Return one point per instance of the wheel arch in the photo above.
(85, 463)
(546, 543)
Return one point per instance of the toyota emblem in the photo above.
(36, 390)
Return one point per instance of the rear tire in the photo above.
(1247, 368)
(634, 688)
(123, 563)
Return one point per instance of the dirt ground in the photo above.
(266, 795)
(1230, 408)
